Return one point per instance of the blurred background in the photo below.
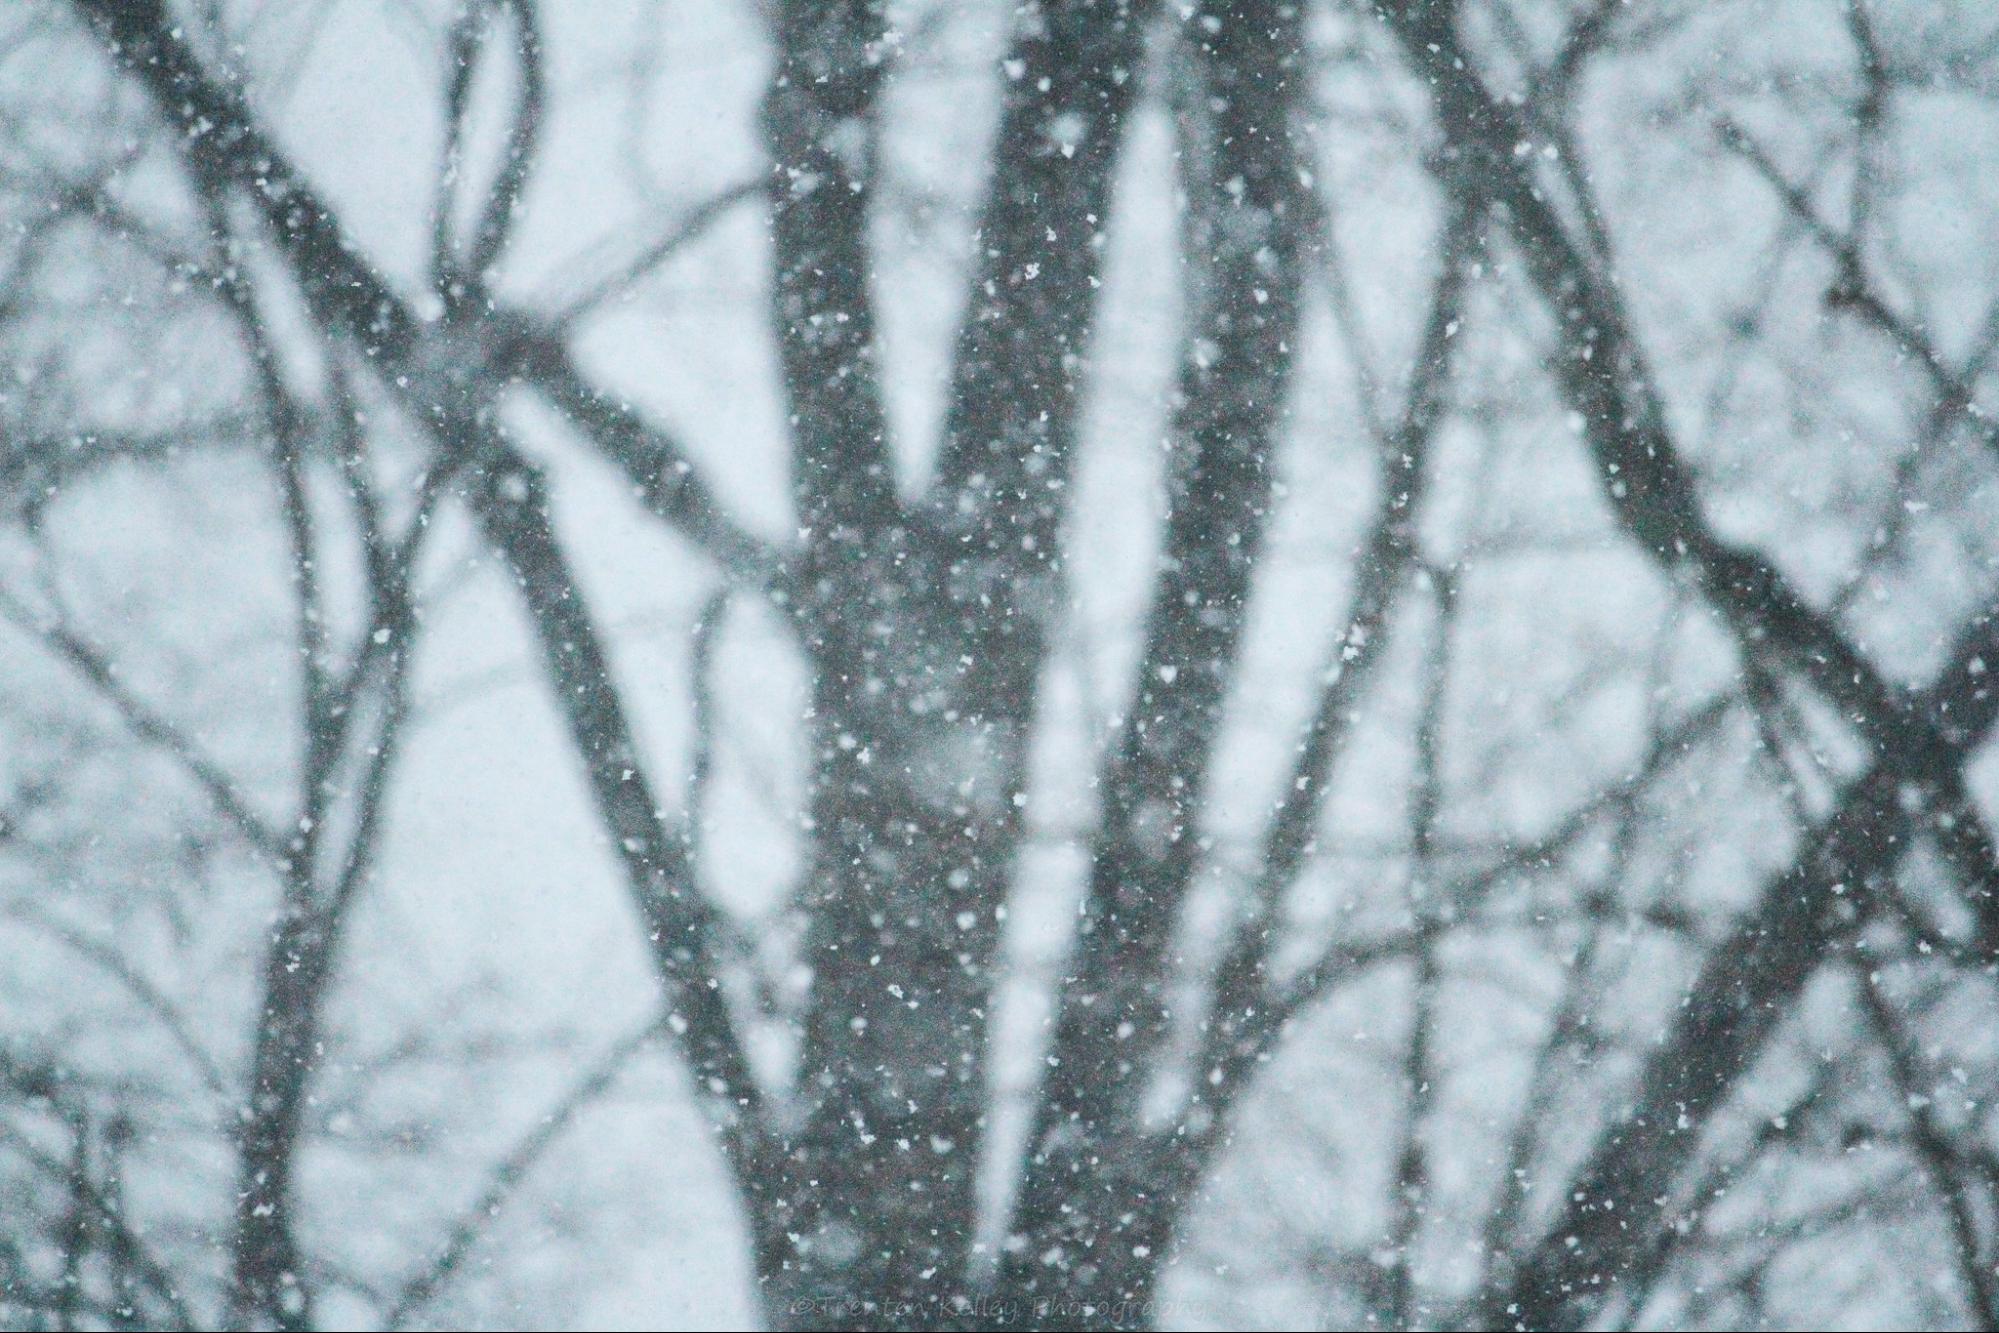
(1558, 422)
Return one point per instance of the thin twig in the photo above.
(508, 1174)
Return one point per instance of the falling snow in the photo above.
(1054, 664)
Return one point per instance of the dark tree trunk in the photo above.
(925, 625)
(1091, 1225)
(268, 1281)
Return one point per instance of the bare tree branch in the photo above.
(224, 143)
(1252, 211)
(511, 1171)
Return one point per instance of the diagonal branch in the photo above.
(141, 987)
(1855, 290)
(1932, 1146)
(1024, 338)
(1384, 567)
(509, 499)
(1258, 1015)
(101, 674)
(510, 1171)
(1233, 384)
(1602, 372)
(228, 151)
(684, 230)
(105, 1213)
(1619, 1201)
(226, 146)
